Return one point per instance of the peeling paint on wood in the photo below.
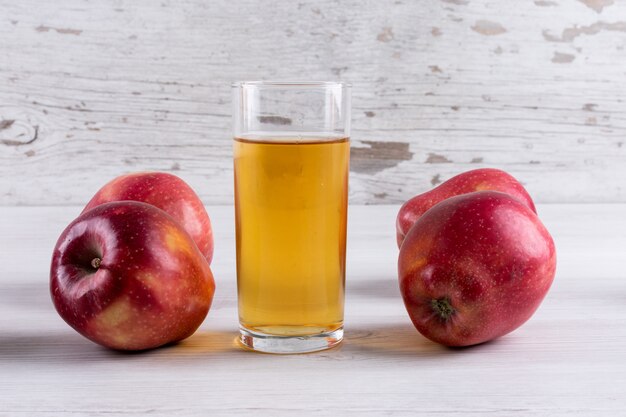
(589, 106)
(377, 156)
(62, 31)
(434, 158)
(562, 58)
(386, 35)
(338, 70)
(597, 5)
(274, 120)
(569, 34)
(457, 2)
(545, 3)
(488, 28)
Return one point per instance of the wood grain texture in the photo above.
(567, 360)
(89, 90)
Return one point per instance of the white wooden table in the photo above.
(569, 359)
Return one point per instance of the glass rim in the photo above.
(291, 84)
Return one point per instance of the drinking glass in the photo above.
(291, 160)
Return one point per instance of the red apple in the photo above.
(167, 192)
(476, 180)
(126, 275)
(475, 267)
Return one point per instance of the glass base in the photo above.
(268, 343)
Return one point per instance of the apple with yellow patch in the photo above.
(167, 192)
(127, 276)
(483, 179)
(475, 267)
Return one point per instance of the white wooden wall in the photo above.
(93, 89)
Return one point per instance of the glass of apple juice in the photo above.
(291, 159)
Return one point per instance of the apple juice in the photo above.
(290, 212)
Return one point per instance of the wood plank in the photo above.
(89, 91)
(567, 360)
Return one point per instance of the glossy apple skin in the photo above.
(152, 287)
(476, 180)
(475, 267)
(167, 192)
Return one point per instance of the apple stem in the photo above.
(443, 308)
(95, 263)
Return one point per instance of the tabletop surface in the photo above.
(569, 359)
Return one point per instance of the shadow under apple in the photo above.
(397, 340)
